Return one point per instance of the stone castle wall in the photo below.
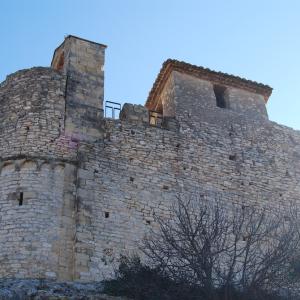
(138, 171)
(71, 204)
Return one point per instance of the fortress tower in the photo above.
(82, 62)
(77, 189)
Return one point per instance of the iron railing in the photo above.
(112, 109)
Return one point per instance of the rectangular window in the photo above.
(155, 118)
(220, 96)
(20, 198)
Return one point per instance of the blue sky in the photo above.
(257, 39)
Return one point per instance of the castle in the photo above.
(77, 189)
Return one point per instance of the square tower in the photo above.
(184, 91)
(83, 63)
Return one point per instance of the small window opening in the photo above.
(232, 157)
(61, 62)
(155, 118)
(148, 222)
(220, 96)
(20, 198)
(106, 215)
(131, 179)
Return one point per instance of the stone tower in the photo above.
(78, 190)
(82, 62)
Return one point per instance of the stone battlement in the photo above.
(77, 190)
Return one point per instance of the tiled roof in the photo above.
(206, 74)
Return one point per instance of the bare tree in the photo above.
(226, 248)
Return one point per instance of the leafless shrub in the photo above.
(227, 248)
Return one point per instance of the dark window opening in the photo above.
(232, 157)
(165, 187)
(106, 214)
(20, 198)
(148, 222)
(131, 179)
(220, 96)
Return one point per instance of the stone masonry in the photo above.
(77, 190)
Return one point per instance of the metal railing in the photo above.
(112, 109)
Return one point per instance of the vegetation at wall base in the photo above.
(209, 251)
(139, 281)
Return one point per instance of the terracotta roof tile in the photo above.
(206, 74)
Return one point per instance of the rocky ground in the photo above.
(39, 289)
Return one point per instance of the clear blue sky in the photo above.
(255, 39)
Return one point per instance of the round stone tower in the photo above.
(45, 113)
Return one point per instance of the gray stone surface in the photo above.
(33, 289)
(90, 186)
